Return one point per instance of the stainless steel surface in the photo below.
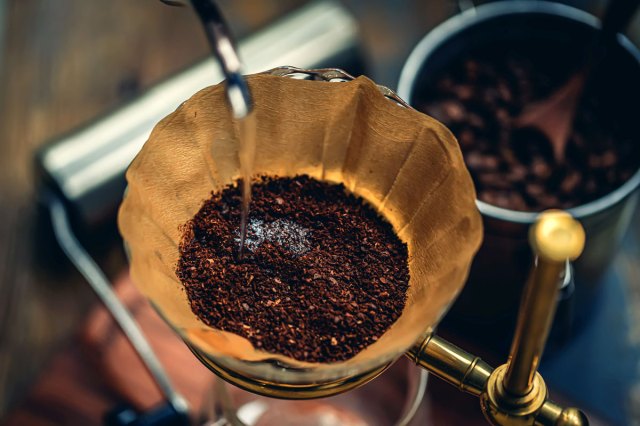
(331, 74)
(503, 259)
(87, 167)
(101, 286)
(224, 48)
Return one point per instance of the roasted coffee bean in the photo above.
(540, 168)
(481, 162)
(503, 117)
(504, 91)
(322, 304)
(463, 92)
(502, 199)
(608, 159)
(474, 160)
(471, 68)
(493, 180)
(535, 190)
(489, 196)
(453, 110)
(466, 138)
(516, 201)
(493, 86)
(476, 120)
(571, 182)
(517, 173)
(548, 200)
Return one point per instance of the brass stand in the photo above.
(513, 394)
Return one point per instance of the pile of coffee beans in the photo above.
(480, 96)
(321, 277)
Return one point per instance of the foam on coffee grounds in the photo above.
(322, 275)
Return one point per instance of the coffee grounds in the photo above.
(322, 275)
(479, 96)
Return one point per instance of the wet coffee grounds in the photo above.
(479, 96)
(322, 275)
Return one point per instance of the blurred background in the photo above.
(64, 63)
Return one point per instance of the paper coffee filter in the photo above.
(404, 163)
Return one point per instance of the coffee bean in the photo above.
(488, 196)
(516, 201)
(490, 96)
(608, 159)
(471, 67)
(540, 168)
(548, 201)
(474, 160)
(490, 162)
(571, 182)
(453, 110)
(503, 117)
(517, 173)
(493, 86)
(476, 120)
(463, 92)
(466, 138)
(502, 199)
(504, 91)
(493, 180)
(534, 190)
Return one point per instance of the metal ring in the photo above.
(332, 75)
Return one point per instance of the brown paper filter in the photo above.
(404, 163)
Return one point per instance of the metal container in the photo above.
(500, 268)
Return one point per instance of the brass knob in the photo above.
(557, 236)
(572, 417)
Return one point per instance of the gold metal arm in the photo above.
(555, 238)
(514, 393)
(470, 374)
(452, 364)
